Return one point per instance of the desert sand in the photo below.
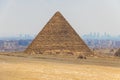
(53, 68)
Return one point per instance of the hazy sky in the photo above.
(85, 16)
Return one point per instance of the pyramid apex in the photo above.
(58, 13)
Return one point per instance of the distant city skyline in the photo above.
(85, 16)
(91, 35)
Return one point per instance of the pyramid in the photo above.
(58, 37)
(117, 53)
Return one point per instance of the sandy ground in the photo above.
(25, 68)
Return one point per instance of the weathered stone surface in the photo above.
(58, 37)
(117, 53)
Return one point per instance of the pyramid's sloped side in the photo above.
(117, 53)
(58, 35)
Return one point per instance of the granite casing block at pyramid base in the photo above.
(58, 37)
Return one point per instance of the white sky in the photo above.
(85, 16)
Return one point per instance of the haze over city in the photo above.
(85, 16)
